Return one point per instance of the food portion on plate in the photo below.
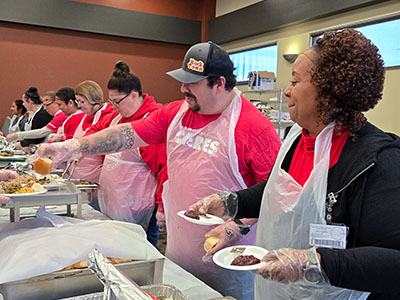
(6, 154)
(245, 260)
(24, 184)
(242, 258)
(192, 214)
(200, 219)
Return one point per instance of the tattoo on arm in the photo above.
(118, 139)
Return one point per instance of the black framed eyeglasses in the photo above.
(118, 101)
(48, 104)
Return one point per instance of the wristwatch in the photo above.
(244, 228)
(312, 271)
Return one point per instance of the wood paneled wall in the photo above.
(53, 58)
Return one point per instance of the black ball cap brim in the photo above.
(185, 76)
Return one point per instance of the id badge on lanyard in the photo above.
(328, 236)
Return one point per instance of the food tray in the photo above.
(79, 185)
(64, 284)
(12, 158)
(157, 290)
(65, 195)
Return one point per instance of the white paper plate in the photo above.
(224, 257)
(25, 194)
(208, 220)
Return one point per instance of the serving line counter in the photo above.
(172, 274)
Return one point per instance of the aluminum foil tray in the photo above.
(157, 290)
(59, 285)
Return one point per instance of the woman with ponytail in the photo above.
(131, 181)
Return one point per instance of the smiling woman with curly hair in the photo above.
(331, 203)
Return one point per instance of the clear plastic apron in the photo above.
(127, 186)
(89, 167)
(287, 210)
(201, 162)
(14, 128)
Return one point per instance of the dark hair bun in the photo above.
(121, 69)
(33, 93)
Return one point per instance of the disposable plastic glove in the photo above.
(4, 199)
(160, 216)
(212, 205)
(55, 137)
(228, 235)
(11, 137)
(286, 265)
(221, 204)
(58, 152)
(7, 175)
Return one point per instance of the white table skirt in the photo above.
(173, 274)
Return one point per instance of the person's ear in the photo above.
(221, 84)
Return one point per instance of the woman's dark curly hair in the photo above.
(348, 75)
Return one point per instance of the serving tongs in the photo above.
(70, 169)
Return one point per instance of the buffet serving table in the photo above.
(67, 194)
(172, 274)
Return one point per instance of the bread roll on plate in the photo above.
(210, 243)
(42, 166)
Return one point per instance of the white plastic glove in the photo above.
(4, 199)
(228, 235)
(55, 137)
(212, 205)
(11, 137)
(7, 175)
(58, 152)
(160, 216)
(286, 265)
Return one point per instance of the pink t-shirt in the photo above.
(257, 143)
(57, 121)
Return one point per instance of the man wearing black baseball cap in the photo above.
(206, 61)
(216, 140)
(202, 61)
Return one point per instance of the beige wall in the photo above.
(226, 6)
(296, 38)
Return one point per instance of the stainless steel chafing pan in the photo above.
(70, 283)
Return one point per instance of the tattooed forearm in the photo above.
(111, 140)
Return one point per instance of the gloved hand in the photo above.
(4, 199)
(58, 152)
(212, 205)
(11, 137)
(228, 235)
(160, 219)
(286, 265)
(7, 175)
(55, 137)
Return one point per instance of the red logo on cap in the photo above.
(195, 65)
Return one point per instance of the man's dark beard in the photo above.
(195, 107)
